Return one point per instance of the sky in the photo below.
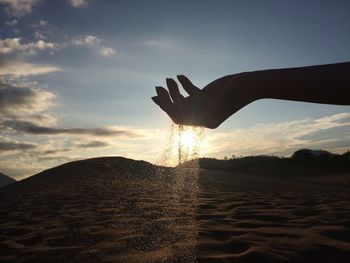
(76, 76)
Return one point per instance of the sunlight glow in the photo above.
(187, 142)
(181, 144)
(188, 139)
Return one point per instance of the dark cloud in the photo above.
(12, 97)
(17, 101)
(56, 159)
(54, 151)
(11, 146)
(31, 128)
(92, 144)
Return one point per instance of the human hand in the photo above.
(207, 107)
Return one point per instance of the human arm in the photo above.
(223, 97)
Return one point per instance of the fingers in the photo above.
(172, 103)
(155, 100)
(168, 109)
(163, 95)
(174, 90)
(163, 100)
(187, 85)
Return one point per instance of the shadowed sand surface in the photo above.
(120, 210)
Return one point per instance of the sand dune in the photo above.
(246, 218)
(120, 210)
(6, 180)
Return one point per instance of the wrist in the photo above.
(250, 86)
(243, 86)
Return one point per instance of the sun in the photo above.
(184, 142)
(188, 139)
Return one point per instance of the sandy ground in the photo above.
(222, 217)
(247, 218)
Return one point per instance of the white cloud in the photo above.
(88, 40)
(14, 45)
(78, 3)
(17, 68)
(107, 51)
(275, 138)
(19, 8)
(96, 42)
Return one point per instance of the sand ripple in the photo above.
(236, 218)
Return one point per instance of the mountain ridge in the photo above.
(6, 180)
(91, 170)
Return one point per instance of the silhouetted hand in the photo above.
(208, 107)
(223, 97)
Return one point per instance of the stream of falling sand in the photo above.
(182, 145)
(155, 217)
(182, 148)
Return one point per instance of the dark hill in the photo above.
(6, 180)
(302, 163)
(86, 175)
(346, 155)
(61, 214)
(306, 154)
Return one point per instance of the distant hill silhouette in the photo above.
(59, 214)
(88, 171)
(303, 162)
(307, 154)
(6, 180)
(346, 156)
(102, 168)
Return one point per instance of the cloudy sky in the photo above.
(76, 76)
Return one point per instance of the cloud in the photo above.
(13, 45)
(92, 144)
(19, 8)
(96, 42)
(18, 68)
(19, 169)
(107, 51)
(24, 103)
(11, 57)
(78, 3)
(89, 40)
(49, 149)
(12, 146)
(32, 128)
(274, 138)
(16, 101)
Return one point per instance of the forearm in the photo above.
(328, 84)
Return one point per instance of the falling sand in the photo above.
(182, 148)
(182, 144)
